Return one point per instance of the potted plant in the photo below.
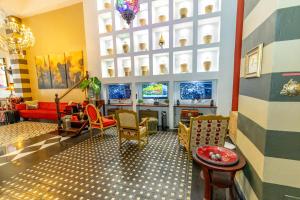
(167, 101)
(140, 101)
(92, 83)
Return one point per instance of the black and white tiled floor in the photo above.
(96, 169)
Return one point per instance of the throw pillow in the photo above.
(31, 105)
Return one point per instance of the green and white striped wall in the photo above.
(269, 123)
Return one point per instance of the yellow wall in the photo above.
(55, 32)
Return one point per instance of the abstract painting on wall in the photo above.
(58, 71)
(74, 66)
(43, 72)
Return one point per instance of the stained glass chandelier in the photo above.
(14, 36)
(128, 9)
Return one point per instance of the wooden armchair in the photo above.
(203, 130)
(97, 121)
(130, 129)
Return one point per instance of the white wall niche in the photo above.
(157, 33)
(108, 68)
(104, 5)
(160, 11)
(123, 43)
(141, 40)
(183, 62)
(120, 23)
(141, 65)
(209, 30)
(208, 60)
(142, 17)
(183, 34)
(105, 22)
(182, 9)
(106, 46)
(208, 6)
(124, 63)
(161, 64)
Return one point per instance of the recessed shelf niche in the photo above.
(183, 34)
(124, 67)
(160, 11)
(105, 22)
(106, 46)
(123, 43)
(208, 6)
(141, 65)
(141, 18)
(161, 64)
(208, 60)
(183, 9)
(209, 30)
(160, 38)
(183, 62)
(104, 5)
(108, 68)
(141, 40)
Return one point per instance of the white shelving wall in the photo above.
(145, 51)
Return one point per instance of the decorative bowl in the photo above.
(109, 51)
(184, 67)
(142, 21)
(207, 39)
(108, 27)
(125, 48)
(142, 46)
(107, 5)
(162, 18)
(208, 9)
(207, 65)
(162, 69)
(110, 71)
(182, 42)
(183, 12)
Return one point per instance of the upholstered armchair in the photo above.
(203, 130)
(97, 121)
(130, 129)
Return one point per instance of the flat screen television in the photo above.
(155, 90)
(119, 91)
(196, 90)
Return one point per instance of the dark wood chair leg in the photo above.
(207, 184)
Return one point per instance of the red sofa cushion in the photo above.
(21, 106)
(51, 106)
(108, 122)
(39, 114)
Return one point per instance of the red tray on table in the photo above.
(228, 157)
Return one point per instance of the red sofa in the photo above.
(46, 110)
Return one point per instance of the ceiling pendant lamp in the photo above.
(128, 9)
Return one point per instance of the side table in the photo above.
(219, 176)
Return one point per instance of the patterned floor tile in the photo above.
(97, 169)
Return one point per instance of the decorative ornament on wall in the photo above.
(128, 9)
(292, 88)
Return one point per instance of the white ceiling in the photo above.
(26, 8)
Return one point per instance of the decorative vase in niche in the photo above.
(208, 9)
(162, 18)
(184, 67)
(207, 65)
(142, 46)
(108, 27)
(207, 39)
(144, 70)
(110, 71)
(183, 12)
(182, 42)
(127, 71)
(161, 41)
(142, 21)
(109, 51)
(107, 5)
(162, 69)
(125, 47)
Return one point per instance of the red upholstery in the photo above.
(46, 110)
(108, 122)
(92, 113)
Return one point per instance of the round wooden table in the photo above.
(219, 176)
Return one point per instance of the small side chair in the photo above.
(97, 121)
(130, 129)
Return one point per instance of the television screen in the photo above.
(119, 91)
(196, 90)
(155, 91)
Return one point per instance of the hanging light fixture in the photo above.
(128, 9)
(14, 36)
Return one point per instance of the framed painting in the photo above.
(3, 74)
(58, 71)
(253, 62)
(74, 66)
(43, 72)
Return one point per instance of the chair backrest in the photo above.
(127, 119)
(208, 130)
(93, 114)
